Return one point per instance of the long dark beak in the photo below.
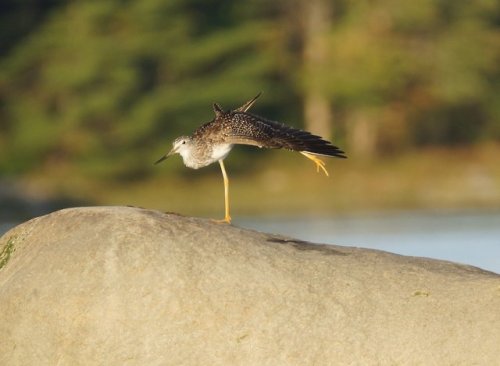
(161, 159)
(171, 152)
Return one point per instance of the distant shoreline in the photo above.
(280, 183)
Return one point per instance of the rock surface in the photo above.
(128, 286)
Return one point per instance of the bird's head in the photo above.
(181, 145)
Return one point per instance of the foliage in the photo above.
(104, 85)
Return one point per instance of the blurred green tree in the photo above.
(101, 81)
(100, 85)
(404, 74)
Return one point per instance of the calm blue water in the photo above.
(469, 238)
(4, 226)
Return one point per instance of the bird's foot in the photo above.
(320, 164)
(225, 220)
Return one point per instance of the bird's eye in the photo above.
(183, 142)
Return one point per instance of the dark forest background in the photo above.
(96, 90)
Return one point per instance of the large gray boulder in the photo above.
(128, 286)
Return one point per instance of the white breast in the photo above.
(220, 151)
(196, 159)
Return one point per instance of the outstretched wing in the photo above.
(248, 129)
(245, 107)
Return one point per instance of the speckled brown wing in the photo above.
(248, 129)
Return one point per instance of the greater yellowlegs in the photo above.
(214, 140)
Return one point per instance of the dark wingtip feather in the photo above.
(245, 107)
(317, 145)
(328, 150)
(250, 129)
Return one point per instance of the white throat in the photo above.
(187, 157)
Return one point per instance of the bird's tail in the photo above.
(307, 142)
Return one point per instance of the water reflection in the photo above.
(4, 227)
(470, 238)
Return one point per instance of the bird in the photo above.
(213, 141)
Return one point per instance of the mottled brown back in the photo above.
(236, 127)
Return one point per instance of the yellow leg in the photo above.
(227, 218)
(319, 163)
